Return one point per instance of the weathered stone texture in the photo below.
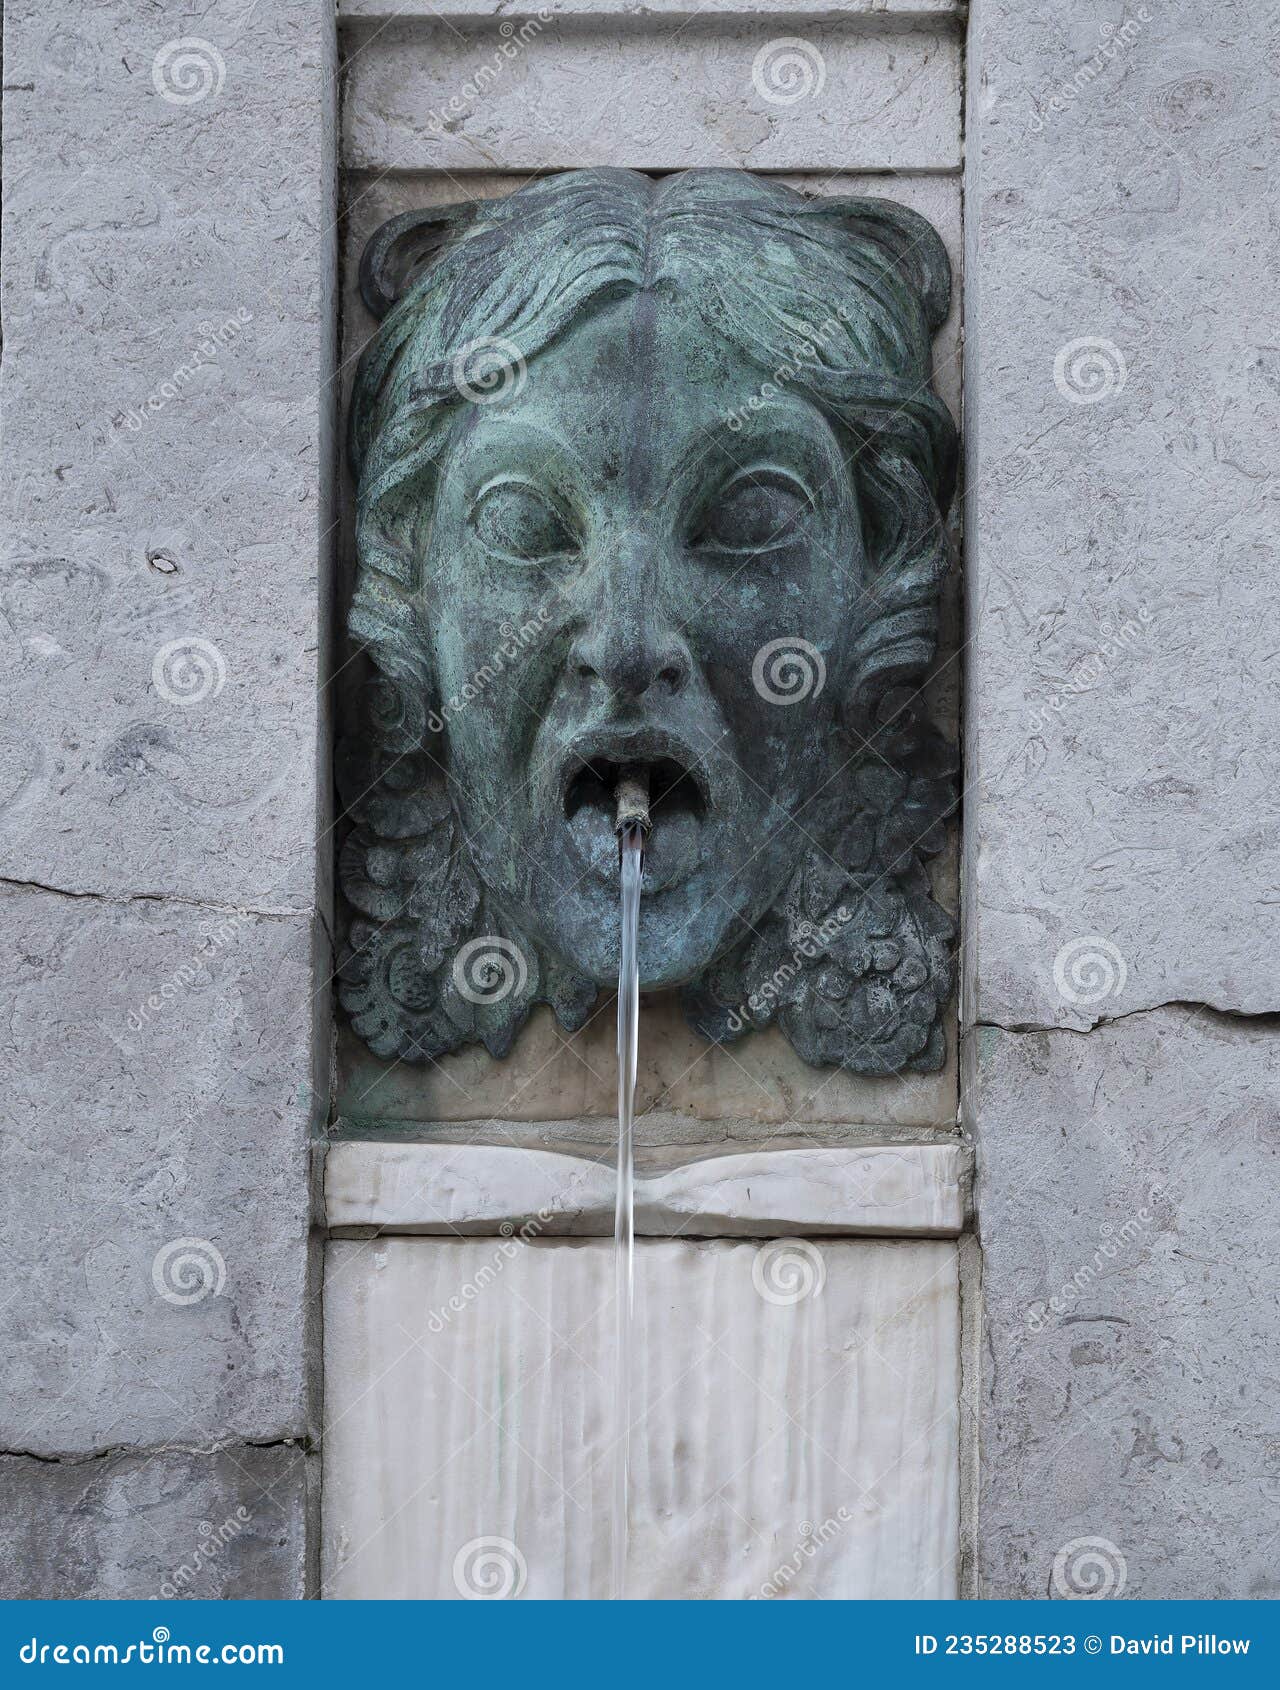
(168, 329)
(670, 94)
(875, 12)
(167, 324)
(1128, 1204)
(1122, 518)
(155, 1524)
(1122, 835)
(159, 1088)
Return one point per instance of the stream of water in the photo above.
(632, 855)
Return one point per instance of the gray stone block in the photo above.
(168, 237)
(169, 325)
(153, 1172)
(1122, 412)
(160, 1524)
(655, 94)
(1130, 1227)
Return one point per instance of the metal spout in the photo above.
(632, 794)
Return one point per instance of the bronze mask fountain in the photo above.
(651, 474)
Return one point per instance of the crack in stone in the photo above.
(110, 1452)
(1253, 1017)
(122, 899)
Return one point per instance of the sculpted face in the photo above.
(657, 548)
(649, 473)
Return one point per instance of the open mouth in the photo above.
(674, 791)
(680, 804)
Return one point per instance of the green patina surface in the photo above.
(650, 472)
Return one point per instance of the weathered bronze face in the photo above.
(650, 474)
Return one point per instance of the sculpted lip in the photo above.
(679, 782)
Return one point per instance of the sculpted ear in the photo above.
(398, 250)
(910, 241)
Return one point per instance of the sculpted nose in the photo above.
(631, 655)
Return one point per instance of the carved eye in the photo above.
(516, 520)
(757, 511)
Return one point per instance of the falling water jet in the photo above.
(632, 823)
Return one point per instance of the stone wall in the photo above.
(1123, 399)
(168, 448)
(172, 289)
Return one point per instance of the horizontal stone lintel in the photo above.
(873, 1190)
(661, 93)
(877, 13)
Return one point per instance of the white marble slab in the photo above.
(794, 1429)
(900, 1190)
